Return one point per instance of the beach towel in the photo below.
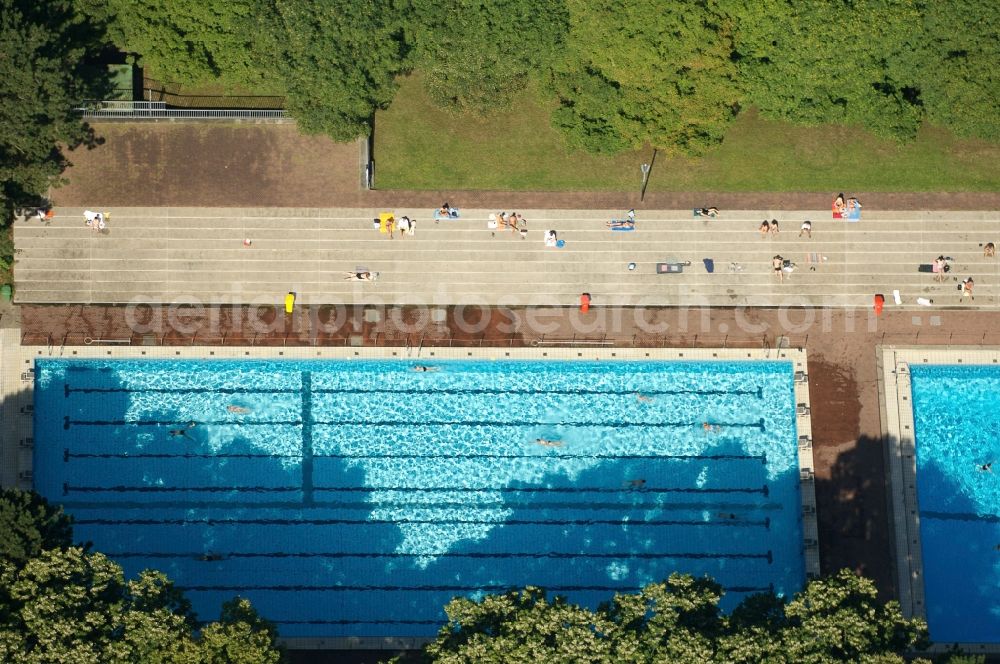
(896, 298)
(925, 267)
(438, 216)
(623, 228)
(669, 268)
(709, 265)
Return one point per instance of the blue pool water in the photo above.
(353, 498)
(957, 416)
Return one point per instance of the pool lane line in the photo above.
(67, 390)
(375, 502)
(441, 588)
(307, 439)
(961, 516)
(67, 455)
(69, 488)
(759, 424)
(474, 555)
(717, 522)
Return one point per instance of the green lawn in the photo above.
(419, 146)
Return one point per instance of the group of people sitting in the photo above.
(94, 220)
(846, 209)
(512, 220)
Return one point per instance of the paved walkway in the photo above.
(171, 254)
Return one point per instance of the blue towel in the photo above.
(709, 265)
(623, 228)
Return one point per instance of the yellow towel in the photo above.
(383, 218)
(289, 303)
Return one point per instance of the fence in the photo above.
(157, 110)
(174, 95)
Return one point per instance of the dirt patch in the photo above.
(209, 165)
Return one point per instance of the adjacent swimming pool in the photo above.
(956, 412)
(352, 498)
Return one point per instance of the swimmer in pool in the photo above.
(987, 467)
(635, 484)
(237, 409)
(711, 428)
(642, 397)
(424, 369)
(210, 557)
(180, 433)
(544, 442)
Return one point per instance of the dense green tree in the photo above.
(958, 55)
(479, 56)
(67, 605)
(833, 61)
(838, 619)
(189, 41)
(30, 524)
(635, 71)
(338, 62)
(841, 618)
(43, 77)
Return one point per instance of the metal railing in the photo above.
(154, 110)
(419, 341)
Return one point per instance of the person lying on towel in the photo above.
(621, 224)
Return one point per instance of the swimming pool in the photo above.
(354, 498)
(956, 411)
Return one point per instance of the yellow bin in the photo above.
(289, 303)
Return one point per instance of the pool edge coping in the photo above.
(898, 428)
(18, 389)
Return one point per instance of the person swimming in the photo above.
(425, 369)
(635, 484)
(642, 397)
(711, 428)
(545, 442)
(180, 433)
(233, 408)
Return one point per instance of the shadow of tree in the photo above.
(854, 527)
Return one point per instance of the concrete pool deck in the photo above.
(897, 413)
(18, 362)
(197, 255)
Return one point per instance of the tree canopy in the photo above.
(189, 41)
(29, 525)
(620, 73)
(60, 603)
(831, 61)
(635, 71)
(43, 77)
(838, 619)
(480, 56)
